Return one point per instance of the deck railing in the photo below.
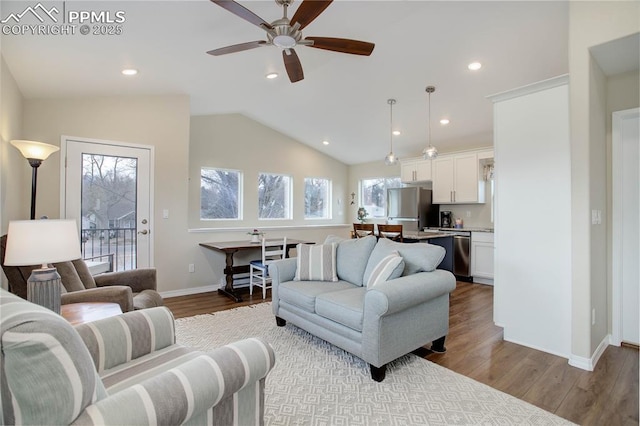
(119, 242)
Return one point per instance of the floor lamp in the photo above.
(40, 242)
(35, 153)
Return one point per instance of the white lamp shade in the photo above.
(37, 242)
(35, 150)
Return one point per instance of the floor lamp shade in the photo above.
(39, 242)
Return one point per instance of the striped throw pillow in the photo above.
(385, 269)
(316, 262)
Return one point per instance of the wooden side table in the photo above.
(79, 313)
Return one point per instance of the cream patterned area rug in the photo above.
(316, 383)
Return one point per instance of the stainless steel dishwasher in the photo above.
(461, 253)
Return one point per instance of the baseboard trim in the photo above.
(590, 363)
(189, 291)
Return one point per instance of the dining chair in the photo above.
(259, 269)
(393, 232)
(362, 229)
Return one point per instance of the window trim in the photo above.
(329, 199)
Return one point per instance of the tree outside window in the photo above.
(317, 198)
(274, 196)
(220, 194)
(373, 194)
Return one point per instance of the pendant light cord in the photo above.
(391, 124)
(429, 119)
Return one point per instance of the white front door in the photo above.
(106, 187)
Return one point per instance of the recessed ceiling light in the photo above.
(325, 142)
(129, 71)
(474, 66)
(444, 121)
(396, 132)
(272, 75)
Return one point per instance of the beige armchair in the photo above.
(134, 289)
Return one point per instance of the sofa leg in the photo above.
(378, 373)
(438, 345)
(280, 322)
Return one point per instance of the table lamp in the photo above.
(33, 242)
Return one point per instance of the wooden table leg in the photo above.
(228, 288)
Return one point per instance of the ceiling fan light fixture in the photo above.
(272, 75)
(430, 152)
(391, 158)
(284, 41)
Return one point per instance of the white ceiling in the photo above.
(343, 98)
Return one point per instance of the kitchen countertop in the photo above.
(468, 229)
(424, 235)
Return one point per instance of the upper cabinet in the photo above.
(456, 179)
(414, 170)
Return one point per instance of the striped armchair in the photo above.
(122, 370)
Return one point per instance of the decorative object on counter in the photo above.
(430, 152)
(458, 223)
(256, 236)
(35, 153)
(362, 214)
(391, 159)
(487, 171)
(39, 242)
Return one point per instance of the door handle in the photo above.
(143, 232)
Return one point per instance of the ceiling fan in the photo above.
(286, 34)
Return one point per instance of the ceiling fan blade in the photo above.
(308, 11)
(344, 45)
(237, 48)
(292, 65)
(243, 12)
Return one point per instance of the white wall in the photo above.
(15, 172)
(590, 24)
(161, 121)
(532, 285)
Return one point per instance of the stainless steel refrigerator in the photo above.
(412, 208)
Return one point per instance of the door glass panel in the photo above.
(108, 210)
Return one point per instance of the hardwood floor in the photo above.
(475, 348)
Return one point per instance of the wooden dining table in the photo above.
(229, 248)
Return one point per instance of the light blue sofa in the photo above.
(377, 324)
(123, 370)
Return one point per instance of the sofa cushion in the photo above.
(352, 256)
(303, 293)
(316, 262)
(37, 340)
(390, 267)
(418, 257)
(345, 306)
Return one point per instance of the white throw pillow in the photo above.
(316, 262)
(384, 269)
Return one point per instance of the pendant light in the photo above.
(391, 158)
(430, 152)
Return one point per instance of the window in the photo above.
(274, 196)
(373, 195)
(317, 198)
(220, 196)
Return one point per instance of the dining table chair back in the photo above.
(393, 232)
(259, 269)
(363, 229)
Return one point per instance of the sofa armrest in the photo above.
(401, 293)
(119, 294)
(282, 270)
(116, 340)
(187, 392)
(137, 279)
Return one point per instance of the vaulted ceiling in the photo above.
(343, 98)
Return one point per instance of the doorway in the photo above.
(625, 226)
(107, 188)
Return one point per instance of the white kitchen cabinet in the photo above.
(456, 179)
(482, 257)
(414, 170)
